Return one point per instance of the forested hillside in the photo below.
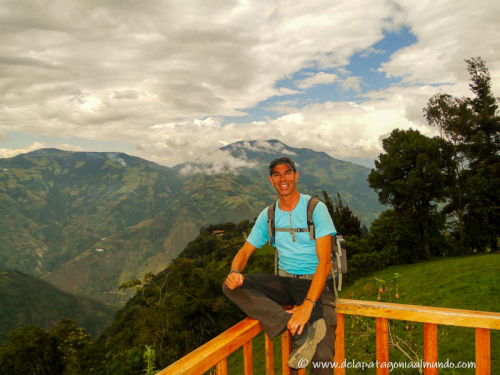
(174, 311)
(25, 299)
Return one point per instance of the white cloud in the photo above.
(352, 83)
(320, 78)
(162, 74)
(341, 129)
(371, 51)
(10, 153)
(216, 162)
(88, 68)
(113, 156)
(447, 33)
(3, 136)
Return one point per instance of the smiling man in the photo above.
(304, 266)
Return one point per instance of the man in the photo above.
(304, 266)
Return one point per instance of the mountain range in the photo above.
(87, 222)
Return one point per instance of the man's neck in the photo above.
(289, 202)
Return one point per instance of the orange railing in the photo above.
(215, 352)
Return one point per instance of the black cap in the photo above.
(283, 160)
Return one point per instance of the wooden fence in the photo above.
(216, 351)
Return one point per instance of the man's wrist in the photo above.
(234, 271)
(310, 300)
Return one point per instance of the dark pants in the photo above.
(262, 296)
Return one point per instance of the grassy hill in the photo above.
(25, 299)
(468, 282)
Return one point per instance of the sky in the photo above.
(171, 81)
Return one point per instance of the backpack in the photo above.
(338, 252)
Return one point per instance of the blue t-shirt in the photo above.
(297, 257)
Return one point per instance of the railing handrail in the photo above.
(421, 314)
(213, 352)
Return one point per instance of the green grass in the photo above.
(467, 282)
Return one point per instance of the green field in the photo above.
(468, 282)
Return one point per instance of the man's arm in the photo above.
(302, 313)
(234, 280)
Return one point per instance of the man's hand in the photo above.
(234, 280)
(300, 316)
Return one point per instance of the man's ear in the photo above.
(270, 180)
(296, 176)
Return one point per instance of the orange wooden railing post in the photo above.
(483, 353)
(248, 358)
(221, 367)
(339, 346)
(382, 340)
(286, 349)
(430, 349)
(269, 355)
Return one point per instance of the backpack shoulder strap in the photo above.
(311, 205)
(271, 227)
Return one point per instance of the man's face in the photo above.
(284, 179)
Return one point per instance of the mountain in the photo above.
(56, 204)
(87, 222)
(25, 299)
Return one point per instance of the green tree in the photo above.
(346, 223)
(30, 350)
(473, 125)
(412, 176)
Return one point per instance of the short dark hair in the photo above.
(282, 160)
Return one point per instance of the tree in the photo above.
(412, 176)
(473, 125)
(30, 350)
(346, 223)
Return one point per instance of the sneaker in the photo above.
(305, 345)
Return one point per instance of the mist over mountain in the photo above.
(87, 222)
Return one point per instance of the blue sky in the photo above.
(363, 64)
(171, 82)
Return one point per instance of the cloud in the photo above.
(216, 162)
(84, 68)
(3, 136)
(352, 83)
(320, 78)
(113, 156)
(126, 94)
(371, 51)
(10, 153)
(341, 129)
(447, 33)
(163, 75)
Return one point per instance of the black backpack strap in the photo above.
(271, 226)
(311, 205)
